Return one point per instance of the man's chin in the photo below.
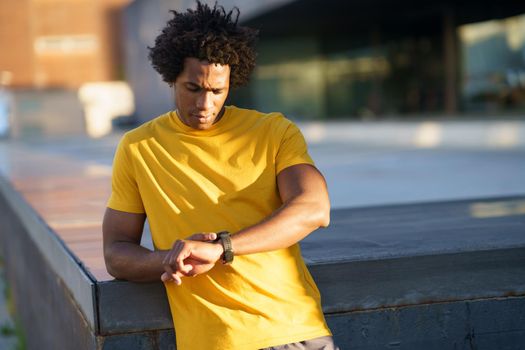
(201, 126)
(196, 124)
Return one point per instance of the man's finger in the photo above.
(203, 236)
(186, 269)
(179, 252)
(168, 270)
(175, 254)
(177, 278)
(179, 261)
(166, 277)
(167, 258)
(171, 277)
(174, 260)
(211, 236)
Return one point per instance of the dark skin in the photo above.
(125, 257)
(201, 90)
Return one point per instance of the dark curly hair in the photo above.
(205, 33)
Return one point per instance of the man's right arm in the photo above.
(126, 259)
(124, 256)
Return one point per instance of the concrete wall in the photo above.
(50, 314)
(399, 286)
(469, 325)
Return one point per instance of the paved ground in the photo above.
(366, 174)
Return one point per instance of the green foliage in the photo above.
(8, 328)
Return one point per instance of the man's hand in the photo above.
(190, 257)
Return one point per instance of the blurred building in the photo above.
(353, 59)
(50, 49)
(60, 43)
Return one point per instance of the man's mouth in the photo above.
(201, 118)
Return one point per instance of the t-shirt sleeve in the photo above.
(125, 195)
(292, 149)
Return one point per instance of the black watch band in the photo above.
(224, 238)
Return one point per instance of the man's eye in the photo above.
(217, 92)
(193, 88)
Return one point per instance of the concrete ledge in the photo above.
(348, 287)
(54, 252)
(51, 291)
(432, 275)
(125, 307)
(470, 325)
(365, 285)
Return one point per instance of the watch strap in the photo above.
(224, 238)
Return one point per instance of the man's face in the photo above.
(200, 91)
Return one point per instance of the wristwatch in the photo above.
(224, 238)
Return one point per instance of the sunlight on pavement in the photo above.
(497, 209)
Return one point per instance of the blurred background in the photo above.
(401, 101)
(80, 66)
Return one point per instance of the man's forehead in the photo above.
(202, 72)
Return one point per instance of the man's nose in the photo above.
(205, 101)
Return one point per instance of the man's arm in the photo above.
(124, 256)
(306, 207)
(126, 259)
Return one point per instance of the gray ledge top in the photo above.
(396, 231)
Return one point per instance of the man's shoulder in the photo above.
(252, 115)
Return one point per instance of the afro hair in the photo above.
(206, 33)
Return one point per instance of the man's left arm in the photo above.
(305, 208)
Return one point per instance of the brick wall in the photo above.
(15, 41)
(60, 43)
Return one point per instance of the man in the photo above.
(206, 168)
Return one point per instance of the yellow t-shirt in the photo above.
(224, 178)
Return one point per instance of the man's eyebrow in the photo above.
(192, 84)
